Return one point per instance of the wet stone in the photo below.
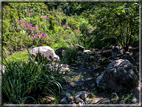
(64, 101)
(87, 102)
(69, 97)
(81, 103)
(134, 100)
(114, 96)
(77, 100)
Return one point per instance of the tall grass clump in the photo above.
(22, 80)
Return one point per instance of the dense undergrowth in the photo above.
(27, 25)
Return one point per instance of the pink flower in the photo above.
(30, 13)
(37, 35)
(3, 8)
(44, 16)
(22, 21)
(35, 28)
(45, 35)
(67, 27)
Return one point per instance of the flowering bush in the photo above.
(35, 27)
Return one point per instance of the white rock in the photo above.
(36, 50)
(134, 100)
(2, 68)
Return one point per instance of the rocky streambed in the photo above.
(81, 86)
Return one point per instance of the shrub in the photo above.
(70, 55)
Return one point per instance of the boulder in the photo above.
(45, 52)
(119, 74)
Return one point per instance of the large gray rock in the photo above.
(45, 52)
(119, 74)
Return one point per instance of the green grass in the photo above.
(18, 56)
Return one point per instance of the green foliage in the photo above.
(70, 55)
(26, 78)
(93, 26)
(73, 23)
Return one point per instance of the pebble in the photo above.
(87, 102)
(69, 97)
(64, 101)
(83, 96)
(81, 103)
(134, 100)
(72, 102)
(122, 102)
(77, 100)
(114, 96)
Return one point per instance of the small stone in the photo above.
(73, 105)
(48, 99)
(134, 100)
(81, 103)
(2, 68)
(79, 62)
(69, 97)
(64, 101)
(114, 96)
(92, 57)
(127, 53)
(83, 96)
(86, 89)
(90, 95)
(76, 68)
(72, 102)
(77, 94)
(77, 100)
(122, 102)
(87, 102)
(86, 51)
